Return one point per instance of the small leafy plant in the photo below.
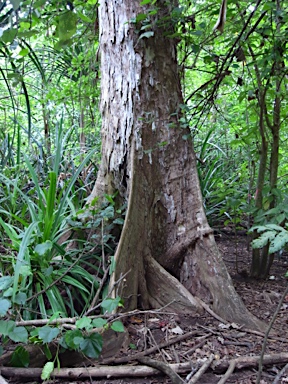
(272, 234)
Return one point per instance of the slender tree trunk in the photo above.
(260, 256)
(166, 255)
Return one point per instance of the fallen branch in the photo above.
(140, 370)
(163, 367)
(93, 372)
(251, 361)
(260, 367)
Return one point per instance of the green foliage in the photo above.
(274, 235)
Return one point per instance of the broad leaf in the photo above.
(67, 25)
(278, 242)
(5, 282)
(5, 304)
(47, 370)
(85, 322)
(47, 334)
(20, 357)
(117, 326)
(91, 346)
(41, 249)
(6, 327)
(99, 323)
(109, 305)
(71, 338)
(19, 335)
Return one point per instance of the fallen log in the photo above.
(140, 370)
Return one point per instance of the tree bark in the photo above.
(166, 246)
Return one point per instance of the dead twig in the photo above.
(228, 373)
(260, 367)
(198, 345)
(2, 380)
(163, 367)
(278, 377)
(153, 349)
(251, 361)
(202, 370)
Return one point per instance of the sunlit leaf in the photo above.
(47, 370)
(41, 249)
(67, 25)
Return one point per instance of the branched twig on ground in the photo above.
(202, 370)
(267, 333)
(148, 351)
(163, 367)
(228, 373)
(279, 375)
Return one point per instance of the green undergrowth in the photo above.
(55, 266)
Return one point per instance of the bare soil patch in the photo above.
(191, 340)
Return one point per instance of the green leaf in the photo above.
(117, 326)
(274, 226)
(119, 220)
(146, 34)
(91, 346)
(55, 316)
(140, 17)
(109, 305)
(6, 327)
(19, 335)
(263, 239)
(20, 298)
(84, 17)
(99, 323)
(41, 249)
(9, 35)
(5, 304)
(5, 282)
(278, 242)
(47, 351)
(21, 255)
(67, 25)
(47, 334)
(47, 370)
(20, 357)
(85, 322)
(71, 337)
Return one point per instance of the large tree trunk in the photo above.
(167, 251)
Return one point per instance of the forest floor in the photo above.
(191, 341)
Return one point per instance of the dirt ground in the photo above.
(192, 340)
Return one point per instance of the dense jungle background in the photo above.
(234, 82)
